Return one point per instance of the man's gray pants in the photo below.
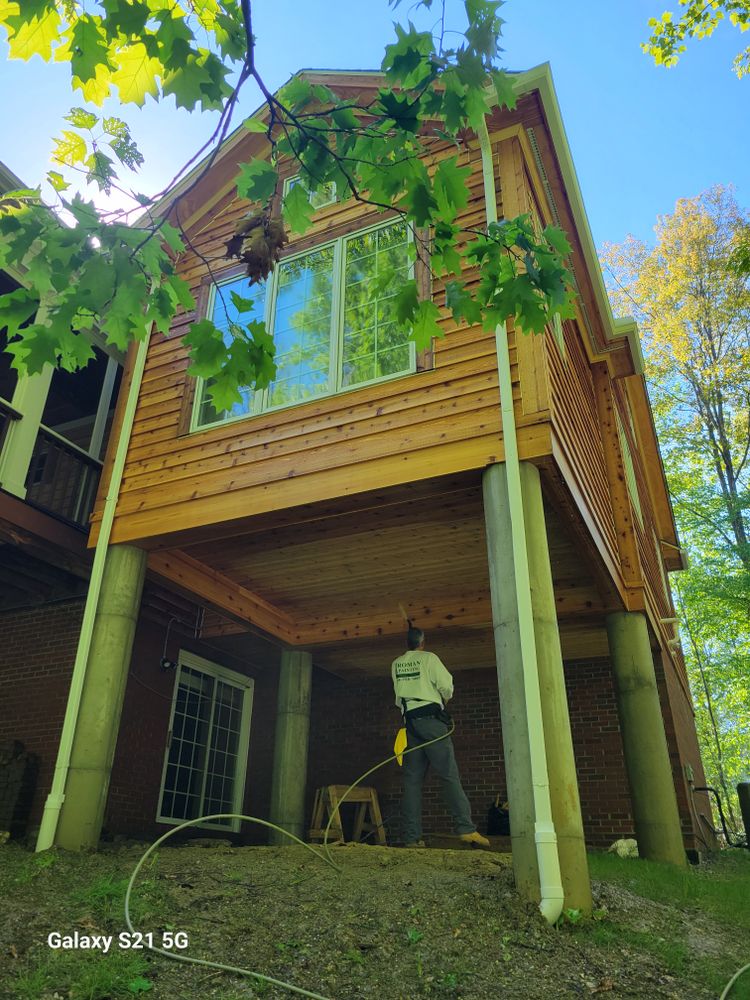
(443, 760)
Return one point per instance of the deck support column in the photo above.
(98, 723)
(291, 745)
(566, 809)
(655, 814)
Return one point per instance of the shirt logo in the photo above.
(407, 671)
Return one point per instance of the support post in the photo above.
(97, 727)
(566, 809)
(291, 745)
(29, 398)
(652, 791)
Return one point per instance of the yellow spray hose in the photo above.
(324, 855)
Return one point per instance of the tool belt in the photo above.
(431, 711)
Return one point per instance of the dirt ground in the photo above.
(391, 924)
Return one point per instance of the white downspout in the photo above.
(550, 880)
(56, 797)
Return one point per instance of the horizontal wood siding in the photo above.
(658, 596)
(576, 426)
(431, 423)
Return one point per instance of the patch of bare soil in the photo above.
(392, 924)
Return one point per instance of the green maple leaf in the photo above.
(38, 346)
(257, 180)
(88, 48)
(186, 83)
(401, 110)
(126, 17)
(96, 283)
(476, 107)
(470, 69)
(503, 84)
(229, 29)
(296, 93)
(223, 392)
(136, 74)
(462, 305)
(407, 302)
(207, 350)
(81, 118)
(241, 304)
(408, 59)
(297, 209)
(16, 308)
(57, 180)
(450, 185)
(33, 32)
(255, 125)
(425, 324)
(70, 148)
(453, 108)
(420, 201)
(557, 240)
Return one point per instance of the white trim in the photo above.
(336, 338)
(218, 672)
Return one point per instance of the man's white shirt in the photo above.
(420, 678)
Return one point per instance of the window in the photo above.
(332, 314)
(324, 196)
(206, 755)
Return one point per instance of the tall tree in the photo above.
(693, 307)
(700, 19)
(96, 271)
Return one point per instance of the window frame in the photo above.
(218, 672)
(336, 335)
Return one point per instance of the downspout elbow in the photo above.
(550, 883)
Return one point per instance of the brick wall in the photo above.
(38, 651)
(354, 723)
(139, 756)
(597, 744)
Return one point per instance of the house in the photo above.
(283, 537)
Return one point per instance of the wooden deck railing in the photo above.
(62, 478)
(7, 416)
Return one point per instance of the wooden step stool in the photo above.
(328, 803)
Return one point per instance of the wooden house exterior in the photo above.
(296, 530)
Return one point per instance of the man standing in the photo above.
(422, 686)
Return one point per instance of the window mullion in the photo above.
(261, 404)
(337, 311)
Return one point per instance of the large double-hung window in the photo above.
(332, 314)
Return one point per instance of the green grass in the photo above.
(725, 895)
(720, 890)
(117, 975)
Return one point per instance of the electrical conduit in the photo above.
(56, 797)
(550, 879)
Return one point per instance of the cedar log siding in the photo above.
(434, 422)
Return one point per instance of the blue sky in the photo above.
(641, 136)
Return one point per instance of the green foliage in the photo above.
(699, 20)
(95, 271)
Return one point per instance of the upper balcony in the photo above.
(54, 429)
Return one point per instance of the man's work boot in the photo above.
(416, 843)
(475, 838)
